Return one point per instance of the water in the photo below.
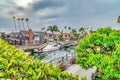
(52, 53)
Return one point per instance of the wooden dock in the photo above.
(28, 47)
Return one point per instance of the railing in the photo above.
(65, 57)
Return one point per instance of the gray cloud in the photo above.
(73, 13)
(45, 3)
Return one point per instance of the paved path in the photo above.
(75, 69)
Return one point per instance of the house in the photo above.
(66, 36)
(13, 38)
(4, 36)
(0, 34)
(26, 37)
(21, 38)
(39, 37)
(56, 36)
(13, 41)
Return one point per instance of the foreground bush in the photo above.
(14, 64)
(101, 49)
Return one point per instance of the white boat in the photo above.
(27, 53)
(51, 46)
(37, 50)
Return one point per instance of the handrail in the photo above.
(63, 58)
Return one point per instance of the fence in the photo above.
(65, 57)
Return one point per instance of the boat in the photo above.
(66, 45)
(51, 46)
(38, 50)
(27, 53)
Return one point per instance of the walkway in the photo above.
(75, 69)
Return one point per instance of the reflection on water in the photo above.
(44, 54)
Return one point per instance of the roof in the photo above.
(10, 38)
(13, 34)
(25, 33)
(37, 33)
(65, 33)
(58, 34)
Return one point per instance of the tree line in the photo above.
(74, 33)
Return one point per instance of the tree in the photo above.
(91, 30)
(75, 34)
(15, 65)
(82, 31)
(15, 23)
(101, 49)
(69, 28)
(19, 24)
(53, 29)
(74, 31)
(27, 23)
(42, 29)
(61, 36)
(22, 19)
(65, 28)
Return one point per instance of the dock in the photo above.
(28, 47)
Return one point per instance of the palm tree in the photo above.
(19, 23)
(27, 22)
(15, 23)
(61, 35)
(74, 32)
(23, 23)
(69, 29)
(42, 29)
(65, 28)
(53, 29)
(82, 30)
(91, 30)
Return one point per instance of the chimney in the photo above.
(30, 36)
(118, 21)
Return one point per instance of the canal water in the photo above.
(45, 54)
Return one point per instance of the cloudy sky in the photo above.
(71, 13)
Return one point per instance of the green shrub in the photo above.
(101, 49)
(14, 64)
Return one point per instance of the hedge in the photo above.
(15, 65)
(101, 49)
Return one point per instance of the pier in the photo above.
(29, 47)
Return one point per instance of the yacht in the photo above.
(66, 45)
(51, 46)
(37, 50)
(27, 53)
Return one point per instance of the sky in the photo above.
(70, 13)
